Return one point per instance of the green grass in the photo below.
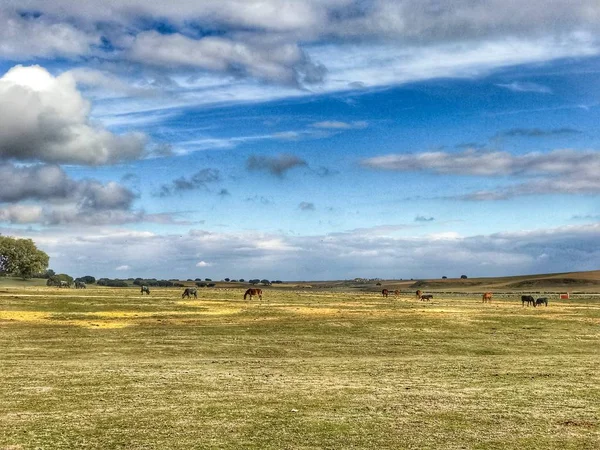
(109, 369)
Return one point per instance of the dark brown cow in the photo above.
(385, 292)
(426, 297)
(253, 291)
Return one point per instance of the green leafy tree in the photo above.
(21, 258)
(88, 279)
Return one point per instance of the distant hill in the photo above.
(563, 282)
(585, 282)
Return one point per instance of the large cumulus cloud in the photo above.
(45, 194)
(45, 118)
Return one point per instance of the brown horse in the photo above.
(419, 293)
(385, 292)
(253, 291)
(487, 297)
(396, 293)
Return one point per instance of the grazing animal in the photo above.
(527, 299)
(419, 293)
(487, 297)
(145, 289)
(426, 297)
(80, 285)
(541, 300)
(189, 292)
(252, 292)
(385, 292)
(396, 293)
(64, 284)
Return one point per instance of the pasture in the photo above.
(108, 368)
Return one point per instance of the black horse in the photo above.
(145, 289)
(542, 300)
(527, 299)
(189, 292)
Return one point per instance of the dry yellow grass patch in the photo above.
(24, 316)
(215, 308)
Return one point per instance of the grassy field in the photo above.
(308, 369)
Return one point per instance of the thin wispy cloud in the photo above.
(339, 125)
(537, 132)
(518, 86)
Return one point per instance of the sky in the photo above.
(314, 140)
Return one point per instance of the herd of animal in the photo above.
(252, 292)
(485, 298)
(189, 292)
(65, 284)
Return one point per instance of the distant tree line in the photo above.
(157, 283)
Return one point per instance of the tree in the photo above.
(88, 279)
(21, 258)
(463, 277)
(444, 277)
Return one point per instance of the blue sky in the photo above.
(328, 139)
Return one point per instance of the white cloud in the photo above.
(21, 214)
(260, 58)
(22, 38)
(362, 43)
(477, 162)
(123, 268)
(332, 256)
(555, 172)
(45, 118)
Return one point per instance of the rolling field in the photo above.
(308, 369)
